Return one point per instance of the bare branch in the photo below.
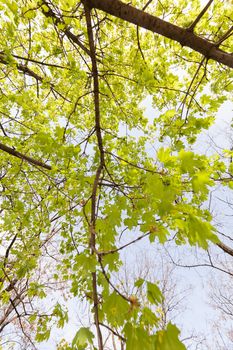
(124, 246)
(113, 332)
(225, 248)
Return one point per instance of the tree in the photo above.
(222, 301)
(81, 164)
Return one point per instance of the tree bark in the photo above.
(225, 248)
(17, 154)
(185, 37)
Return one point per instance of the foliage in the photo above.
(73, 86)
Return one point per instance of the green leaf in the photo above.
(187, 161)
(168, 339)
(139, 282)
(137, 338)
(164, 155)
(148, 317)
(116, 309)
(154, 294)
(200, 182)
(82, 338)
(200, 231)
(43, 335)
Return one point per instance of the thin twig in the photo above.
(199, 265)
(124, 246)
(24, 69)
(40, 62)
(138, 39)
(111, 284)
(113, 332)
(224, 37)
(50, 13)
(201, 14)
(135, 165)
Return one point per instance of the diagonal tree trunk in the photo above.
(185, 37)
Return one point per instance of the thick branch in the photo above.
(225, 248)
(184, 36)
(17, 154)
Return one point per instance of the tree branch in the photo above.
(183, 36)
(225, 36)
(40, 62)
(24, 69)
(113, 332)
(201, 14)
(225, 248)
(94, 204)
(124, 246)
(17, 154)
(57, 20)
(21, 68)
(111, 284)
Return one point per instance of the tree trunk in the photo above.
(185, 37)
